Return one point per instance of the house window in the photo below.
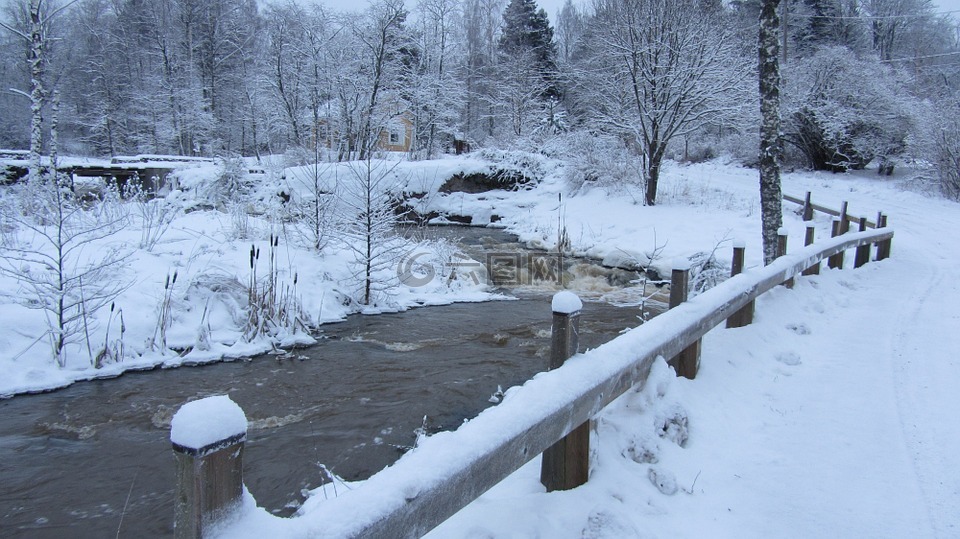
(396, 138)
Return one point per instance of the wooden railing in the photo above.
(808, 207)
(450, 470)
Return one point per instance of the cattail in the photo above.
(252, 252)
(174, 277)
(276, 241)
(294, 278)
(166, 283)
(111, 306)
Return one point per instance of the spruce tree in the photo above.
(527, 32)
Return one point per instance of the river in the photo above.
(94, 459)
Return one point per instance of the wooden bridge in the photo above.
(151, 172)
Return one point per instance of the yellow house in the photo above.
(398, 135)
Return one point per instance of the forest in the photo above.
(620, 84)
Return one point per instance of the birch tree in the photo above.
(771, 145)
(37, 36)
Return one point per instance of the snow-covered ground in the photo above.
(831, 415)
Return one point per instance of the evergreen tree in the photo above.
(527, 34)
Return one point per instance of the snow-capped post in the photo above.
(863, 252)
(844, 219)
(835, 261)
(687, 362)
(782, 251)
(566, 464)
(883, 248)
(207, 437)
(743, 317)
(808, 240)
(807, 208)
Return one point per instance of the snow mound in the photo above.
(566, 302)
(204, 422)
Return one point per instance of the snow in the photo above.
(680, 264)
(207, 421)
(833, 414)
(566, 302)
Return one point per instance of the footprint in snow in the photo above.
(799, 329)
(789, 358)
(663, 480)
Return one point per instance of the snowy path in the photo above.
(923, 355)
(833, 415)
(915, 309)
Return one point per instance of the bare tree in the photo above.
(480, 27)
(381, 36)
(369, 220)
(658, 69)
(570, 28)
(518, 99)
(314, 206)
(430, 86)
(890, 21)
(57, 253)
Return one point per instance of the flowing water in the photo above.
(94, 459)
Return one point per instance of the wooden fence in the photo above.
(550, 411)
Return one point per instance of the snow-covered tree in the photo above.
(944, 131)
(480, 27)
(382, 37)
(570, 27)
(59, 258)
(527, 35)
(890, 21)
(368, 222)
(657, 70)
(435, 94)
(35, 31)
(843, 112)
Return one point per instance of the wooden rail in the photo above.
(455, 468)
(845, 218)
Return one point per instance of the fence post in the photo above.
(782, 251)
(835, 261)
(743, 317)
(863, 252)
(883, 248)
(844, 223)
(807, 208)
(208, 436)
(566, 464)
(808, 240)
(687, 362)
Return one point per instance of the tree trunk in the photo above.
(771, 144)
(653, 178)
(37, 93)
